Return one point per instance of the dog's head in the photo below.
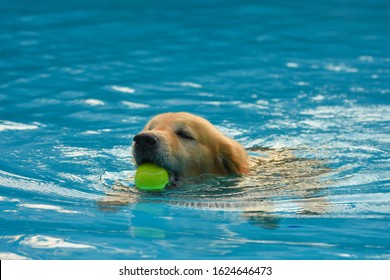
(188, 145)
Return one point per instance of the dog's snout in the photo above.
(145, 139)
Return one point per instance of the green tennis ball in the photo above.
(151, 177)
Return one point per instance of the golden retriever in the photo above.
(188, 145)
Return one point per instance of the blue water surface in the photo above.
(80, 78)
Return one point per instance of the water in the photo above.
(309, 81)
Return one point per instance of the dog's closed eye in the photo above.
(184, 134)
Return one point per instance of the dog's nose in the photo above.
(145, 139)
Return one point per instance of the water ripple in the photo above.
(14, 181)
(49, 242)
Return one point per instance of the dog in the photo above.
(188, 145)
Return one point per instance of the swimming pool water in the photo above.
(80, 79)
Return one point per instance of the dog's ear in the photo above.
(234, 158)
